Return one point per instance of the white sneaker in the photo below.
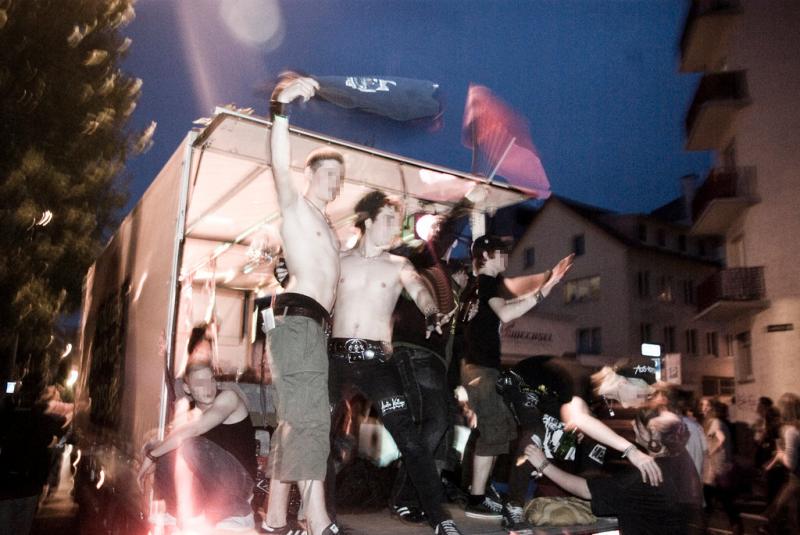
(237, 523)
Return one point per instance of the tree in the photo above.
(64, 106)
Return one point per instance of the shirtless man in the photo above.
(297, 344)
(361, 349)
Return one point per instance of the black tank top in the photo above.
(239, 439)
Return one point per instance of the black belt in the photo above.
(358, 349)
(311, 313)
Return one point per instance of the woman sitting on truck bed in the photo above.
(217, 444)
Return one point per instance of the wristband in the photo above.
(628, 451)
(149, 454)
(539, 296)
(541, 467)
(277, 108)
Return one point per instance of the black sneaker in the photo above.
(411, 514)
(283, 530)
(447, 527)
(513, 516)
(494, 495)
(488, 508)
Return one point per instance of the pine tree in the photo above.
(64, 106)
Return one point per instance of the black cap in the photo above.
(645, 371)
(487, 244)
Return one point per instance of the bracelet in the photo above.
(541, 467)
(628, 451)
(539, 296)
(278, 109)
(149, 454)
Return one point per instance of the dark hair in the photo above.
(669, 438)
(488, 244)
(370, 205)
(197, 336)
(317, 156)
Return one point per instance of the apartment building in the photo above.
(635, 279)
(746, 111)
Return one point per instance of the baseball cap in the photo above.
(489, 243)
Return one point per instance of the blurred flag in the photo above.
(501, 142)
(401, 99)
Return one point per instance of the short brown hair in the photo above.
(370, 205)
(317, 156)
(789, 407)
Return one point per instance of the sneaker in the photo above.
(237, 523)
(284, 530)
(411, 515)
(493, 494)
(447, 527)
(333, 529)
(513, 516)
(488, 508)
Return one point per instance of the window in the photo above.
(682, 243)
(718, 386)
(642, 232)
(578, 245)
(588, 341)
(730, 342)
(644, 283)
(744, 357)
(661, 237)
(691, 342)
(645, 332)
(712, 347)
(584, 289)
(688, 293)
(669, 339)
(665, 289)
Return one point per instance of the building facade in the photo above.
(746, 110)
(634, 280)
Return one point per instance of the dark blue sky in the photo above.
(597, 79)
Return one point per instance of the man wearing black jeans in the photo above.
(360, 350)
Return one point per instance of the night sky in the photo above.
(597, 79)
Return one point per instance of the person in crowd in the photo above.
(216, 440)
(548, 396)
(672, 507)
(719, 473)
(27, 431)
(766, 432)
(783, 512)
(421, 357)
(668, 397)
(300, 446)
(360, 348)
(485, 309)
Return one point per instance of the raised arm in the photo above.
(287, 91)
(511, 309)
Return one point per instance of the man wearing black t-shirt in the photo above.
(484, 313)
(672, 507)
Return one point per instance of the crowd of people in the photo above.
(418, 337)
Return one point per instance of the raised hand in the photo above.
(292, 87)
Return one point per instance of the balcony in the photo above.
(717, 101)
(731, 293)
(721, 199)
(707, 33)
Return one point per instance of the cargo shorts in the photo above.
(298, 360)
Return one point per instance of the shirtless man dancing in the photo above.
(297, 344)
(361, 348)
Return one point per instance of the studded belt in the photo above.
(358, 349)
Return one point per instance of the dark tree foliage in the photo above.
(64, 105)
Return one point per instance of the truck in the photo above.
(202, 243)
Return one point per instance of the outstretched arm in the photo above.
(288, 90)
(510, 309)
(571, 483)
(576, 414)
